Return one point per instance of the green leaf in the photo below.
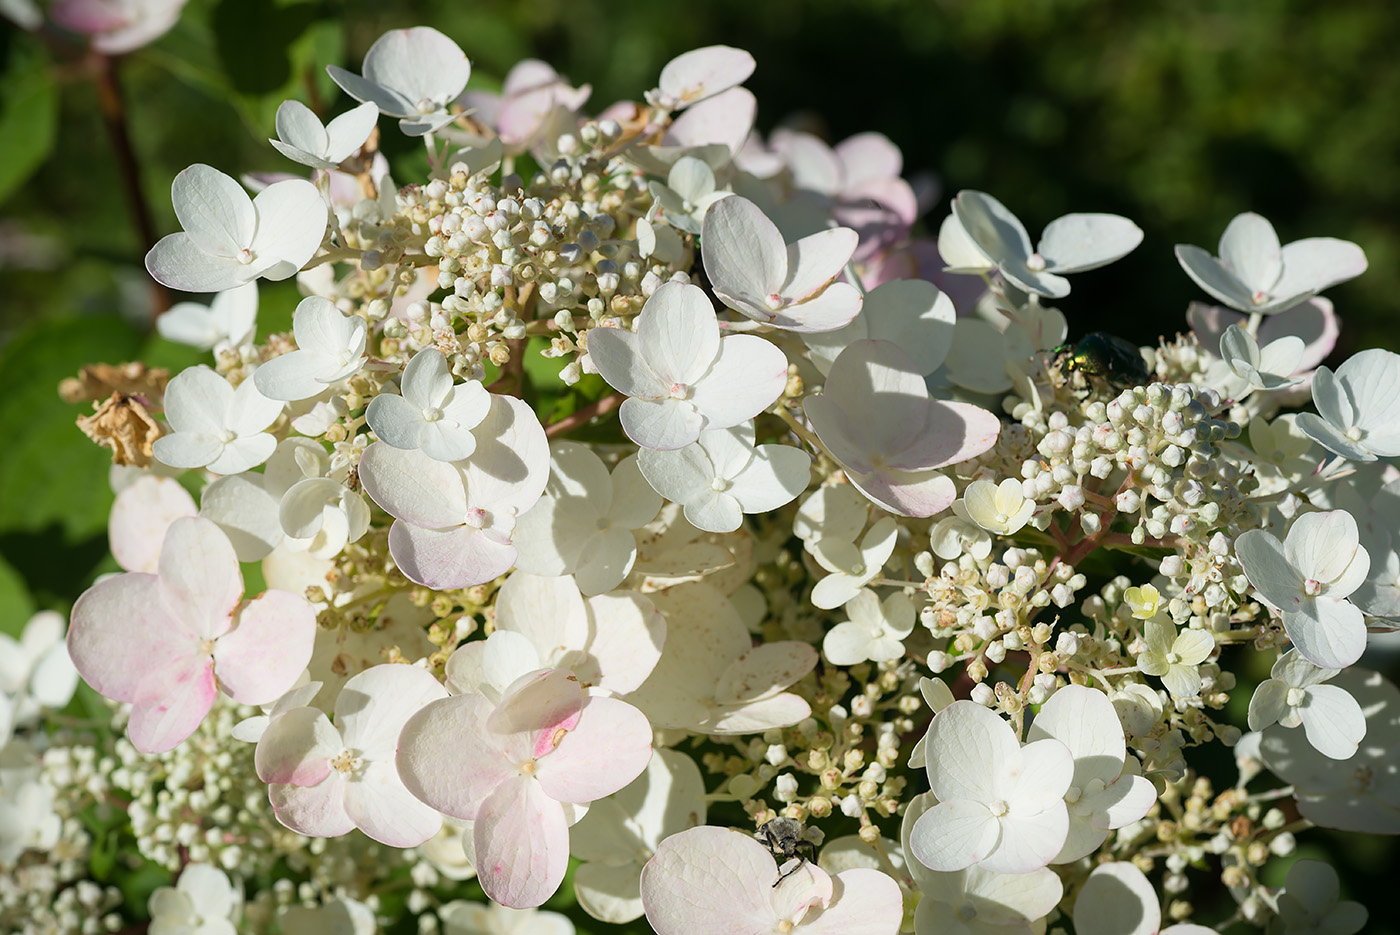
(28, 113)
(253, 39)
(52, 475)
(16, 606)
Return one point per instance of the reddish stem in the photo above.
(585, 415)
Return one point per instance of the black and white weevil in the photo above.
(786, 838)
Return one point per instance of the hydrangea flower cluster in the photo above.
(834, 573)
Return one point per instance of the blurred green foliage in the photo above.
(1179, 114)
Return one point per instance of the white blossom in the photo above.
(1294, 694)
(1356, 407)
(215, 425)
(1173, 656)
(414, 74)
(431, 412)
(875, 631)
(1254, 274)
(330, 348)
(230, 239)
(202, 902)
(227, 321)
(1000, 508)
(303, 138)
(1311, 903)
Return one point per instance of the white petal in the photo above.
(816, 260)
(744, 253)
(618, 356)
(954, 835)
(1314, 264)
(967, 746)
(214, 210)
(677, 335)
(1213, 278)
(702, 73)
(996, 231)
(662, 424)
(291, 224)
(1330, 634)
(1333, 721)
(418, 64)
(1078, 242)
(1249, 251)
(348, 132)
(1117, 899)
(298, 126)
(775, 476)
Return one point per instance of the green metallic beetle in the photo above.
(1108, 357)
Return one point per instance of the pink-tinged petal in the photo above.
(448, 558)
(269, 646)
(863, 902)
(710, 880)
(317, 811)
(199, 576)
(382, 808)
(1029, 842)
(171, 704)
(782, 710)
(663, 424)
(1314, 321)
(747, 375)
(724, 119)
(837, 433)
(816, 260)
(834, 307)
(882, 394)
(702, 73)
(743, 251)
(869, 157)
(677, 335)
(371, 709)
(140, 517)
(954, 432)
(968, 747)
(120, 633)
(805, 889)
(449, 760)
(764, 671)
(908, 493)
(296, 748)
(608, 748)
(521, 839)
(177, 262)
(539, 705)
(954, 835)
(413, 487)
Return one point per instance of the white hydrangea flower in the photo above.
(215, 425)
(27, 816)
(1361, 793)
(1000, 508)
(1356, 407)
(874, 632)
(1000, 805)
(975, 900)
(227, 321)
(303, 138)
(789, 286)
(1307, 577)
(1294, 694)
(229, 238)
(1270, 368)
(1173, 657)
(1107, 791)
(951, 536)
(461, 917)
(700, 74)
(1311, 903)
(431, 413)
(723, 475)
(836, 510)
(583, 524)
(330, 348)
(981, 235)
(911, 313)
(1254, 274)
(202, 902)
(621, 833)
(1118, 899)
(687, 195)
(877, 420)
(414, 74)
(851, 566)
(680, 376)
(35, 670)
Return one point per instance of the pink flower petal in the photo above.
(711, 880)
(297, 747)
(120, 633)
(140, 517)
(443, 559)
(382, 808)
(269, 647)
(456, 777)
(608, 748)
(521, 840)
(863, 902)
(172, 703)
(199, 576)
(318, 811)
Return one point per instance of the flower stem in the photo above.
(114, 117)
(585, 415)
